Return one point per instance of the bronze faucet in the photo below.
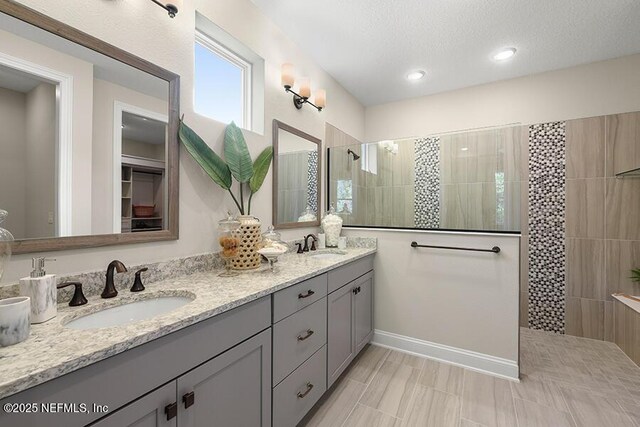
(306, 243)
(109, 288)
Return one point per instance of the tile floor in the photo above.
(566, 381)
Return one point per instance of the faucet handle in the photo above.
(137, 283)
(313, 243)
(78, 297)
(299, 248)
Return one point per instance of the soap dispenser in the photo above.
(41, 288)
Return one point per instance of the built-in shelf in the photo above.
(146, 218)
(137, 230)
(633, 173)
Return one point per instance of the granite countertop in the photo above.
(53, 350)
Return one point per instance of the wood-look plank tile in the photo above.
(367, 363)
(364, 416)
(487, 400)
(544, 392)
(622, 139)
(391, 388)
(620, 257)
(585, 146)
(430, 407)
(405, 359)
(633, 411)
(586, 269)
(442, 377)
(531, 414)
(622, 198)
(335, 408)
(609, 330)
(585, 318)
(589, 409)
(585, 208)
(468, 423)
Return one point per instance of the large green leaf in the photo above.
(208, 160)
(260, 169)
(237, 154)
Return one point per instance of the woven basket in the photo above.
(250, 238)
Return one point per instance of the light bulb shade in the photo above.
(321, 98)
(287, 74)
(305, 87)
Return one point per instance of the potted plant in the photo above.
(635, 275)
(237, 164)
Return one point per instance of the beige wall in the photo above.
(82, 73)
(13, 160)
(40, 145)
(105, 94)
(134, 26)
(588, 90)
(143, 149)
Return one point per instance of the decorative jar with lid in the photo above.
(332, 226)
(229, 239)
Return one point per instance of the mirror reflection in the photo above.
(84, 139)
(297, 169)
(469, 180)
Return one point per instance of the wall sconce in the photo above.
(390, 146)
(299, 99)
(171, 6)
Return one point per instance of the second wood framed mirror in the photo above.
(297, 165)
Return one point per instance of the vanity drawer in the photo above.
(297, 337)
(347, 273)
(296, 297)
(297, 394)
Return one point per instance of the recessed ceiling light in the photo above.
(415, 75)
(464, 149)
(505, 54)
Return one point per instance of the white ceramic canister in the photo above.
(15, 320)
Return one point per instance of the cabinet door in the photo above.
(363, 312)
(231, 390)
(340, 339)
(148, 411)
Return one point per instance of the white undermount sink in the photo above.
(328, 255)
(129, 313)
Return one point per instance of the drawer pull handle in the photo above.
(188, 399)
(304, 337)
(302, 395)
(307, 295)
(171, 410)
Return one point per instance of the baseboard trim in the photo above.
(480, 362)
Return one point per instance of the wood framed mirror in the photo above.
(297, 165)
(91, 155)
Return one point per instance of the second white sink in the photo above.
(329, 254)
(129, 313)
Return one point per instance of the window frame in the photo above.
(246, 69)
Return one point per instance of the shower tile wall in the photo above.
(293, 191)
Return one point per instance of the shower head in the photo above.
(355, 156)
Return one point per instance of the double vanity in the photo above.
(258, 349)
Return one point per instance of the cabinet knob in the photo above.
(188, 399)
(307, 335)
(171, 410)
(307, 295)
(302, 395)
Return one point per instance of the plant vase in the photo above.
(250, 237)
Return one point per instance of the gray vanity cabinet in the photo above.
(350, 316)
(232, 390)
(148, 411)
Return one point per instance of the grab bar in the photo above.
(495, 249)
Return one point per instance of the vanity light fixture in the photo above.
(415, 75)
(505, 54)
(171, 6)
(299, 99)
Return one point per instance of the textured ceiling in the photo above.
(370, 45)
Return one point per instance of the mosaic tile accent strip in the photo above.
(547, 207)
(427, 183)
(312, 181)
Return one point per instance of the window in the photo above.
(222, 83)
(229, 78)
(345, 196)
